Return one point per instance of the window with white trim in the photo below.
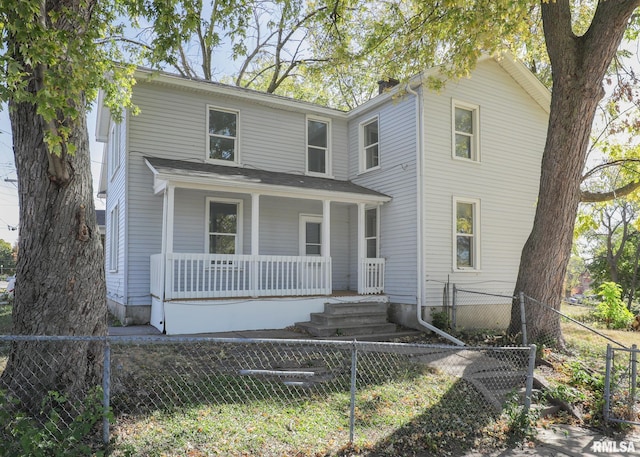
(466, 234)
(310, 235)
(222, 135)
(318, 135)
(113, 157)
(114, 238)
(371, 232)
(369, 151)
(466, 138)
(224, 226)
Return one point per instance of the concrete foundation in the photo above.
(129, 315)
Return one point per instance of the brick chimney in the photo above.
(385, 84)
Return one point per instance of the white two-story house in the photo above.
(231, 209)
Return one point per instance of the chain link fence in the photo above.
(622, 387)
(176, 396)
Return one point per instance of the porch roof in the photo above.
(236, 179)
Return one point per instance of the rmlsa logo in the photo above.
(608, 447)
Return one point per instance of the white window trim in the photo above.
(302, 232)
(361, 147)
(475, 142)
(239, 224)
(328, 167)
(377, 237)
(236, 151)
(113, 151)
(114, 238)
(476, 234)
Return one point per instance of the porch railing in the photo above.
(371, 276)
(195, 276)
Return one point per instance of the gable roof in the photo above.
(516, 69)
(268, 182)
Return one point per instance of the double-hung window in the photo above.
(113, 149)
(370, 157)
(466, 234)
(114, 238)
(224, 226)
(371, 232)
(466, 138)
(223, 136)
(318, 134)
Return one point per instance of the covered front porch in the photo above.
(332, 226)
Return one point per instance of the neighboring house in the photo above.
(100, 221)
(230, 209)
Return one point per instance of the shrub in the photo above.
(49, 434)
(612, 310)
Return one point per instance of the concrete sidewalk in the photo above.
(572, 441)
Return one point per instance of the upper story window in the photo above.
(467, 234)
(113, 151)
(318, 134)
(369, 151)
(466, 144)
(223, 135)
(224, 229)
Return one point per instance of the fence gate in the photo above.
(622, 389)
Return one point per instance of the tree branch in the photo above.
(595, 197)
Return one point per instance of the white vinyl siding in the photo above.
(222, 136)
(465, 121)
(505, 181)
(396, 177)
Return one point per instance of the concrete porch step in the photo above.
(320, 330)
(355, 308)
(360, 318)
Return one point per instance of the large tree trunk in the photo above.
(578, 68)
(60, 287)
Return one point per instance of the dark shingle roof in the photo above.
(273, 178)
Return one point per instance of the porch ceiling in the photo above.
(236, 179)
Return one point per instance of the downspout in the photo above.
(420, 226)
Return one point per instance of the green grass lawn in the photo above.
(431, 412)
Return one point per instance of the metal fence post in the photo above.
(454, 307)
(634, 375)
(607, 382)
(523, 320)
(354, 367)
(529, 386)
(106, 391)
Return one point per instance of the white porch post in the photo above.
(255, 242)
(326, 243)
(167, 240)
(361, 246)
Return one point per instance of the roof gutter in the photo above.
(420, 224)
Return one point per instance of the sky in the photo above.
(9, 214)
